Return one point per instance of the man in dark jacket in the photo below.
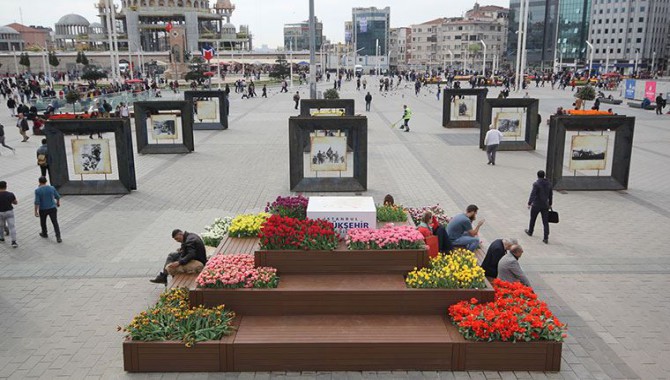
(190, 258)
(539, 203)
(496, 251)
(368, 100)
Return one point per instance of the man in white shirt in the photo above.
(492, 140)
(123, 111)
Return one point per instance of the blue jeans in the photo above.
(470, 242)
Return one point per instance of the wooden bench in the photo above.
(230, 245)
(183, 280)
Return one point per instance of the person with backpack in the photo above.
(296, 99)
(43, 158)
(22, 125)
(11, 104)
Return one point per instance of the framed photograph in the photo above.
(91, 156)
(509, 123)
(206, 110)
(588, 152)
(463, 109)
(164, 127)
(328, 153)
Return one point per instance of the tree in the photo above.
(331, 93)
(195, 75)
(53, 60)
(281, 69)
(586, 93)
(93, 75)
(24, 60)
(81, 58)
(474, 50)
(72, 97)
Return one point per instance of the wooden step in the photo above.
(300, 294)
(342, 343)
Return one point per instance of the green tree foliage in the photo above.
(586, 93)
(93, 75)
(331, 93)
(72, 97)
(81, 58)
(281, 69)
(53, 60)
(24, 60)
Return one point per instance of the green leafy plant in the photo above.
(93, 75)
(586, 93)
(331, 93)
(281, 69)
(216, 232)
(24, 60)
(72, 97)
(53, 60)
(173, 319)
(391, 213)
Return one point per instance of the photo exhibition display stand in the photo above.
(525, 111)
(611, 140)
(59, 170)
(223, 108)
(182, 125)
(301, 132)
(474, 96)
(309, 106)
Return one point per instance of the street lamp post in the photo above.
(377, 56)
(312, 48)
(290, 63)
(607, 60)
(451, 57)
(590, 59)
(653, 64)
(484, 63)
(637, 53)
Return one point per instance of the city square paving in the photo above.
(605, 271)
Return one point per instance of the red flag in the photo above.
(168, 27)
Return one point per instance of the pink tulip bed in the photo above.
(387, 237)
(236, 271)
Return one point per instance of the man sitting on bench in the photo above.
(190, 258)
(496, 251)
(460, 229)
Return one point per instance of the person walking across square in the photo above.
(406, 116)
(47, 201)
(2, 139)
(43, 158)
(7, 203)
(296, 99)
(540, 201)
(492, 141)
(368, 100)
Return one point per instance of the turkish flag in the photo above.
(168, 27)
(208, 54)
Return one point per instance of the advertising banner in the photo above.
(650, 91)
(630, 89)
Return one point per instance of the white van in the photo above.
(358, 69)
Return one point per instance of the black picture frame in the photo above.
(55, 131)
(532, 112)
(300, 128)
(185, 108)
(306, 105)
(623, 126)
(224, 109)
(447, 96)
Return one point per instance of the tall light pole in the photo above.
(290, 63)
(451, 57)
(522, 66)
(653, 64)
(607, 60)
(484, 63)
(637, 53)
(519, 36)
(312, 48)
(377, 56)
(16, 64)
(108, 20)
(590, 61)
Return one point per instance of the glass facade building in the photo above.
(296, 36)
(573, 30)
(541, 41)
(369, 26)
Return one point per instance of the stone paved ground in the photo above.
(605, 271)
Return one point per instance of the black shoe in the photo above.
(59, 240)
(14, 245)
(2, 240)
(545, 241)
(6, 230)
(160, 279)
(44, 235)
(402, 127)
(407, 130)
(528, 232)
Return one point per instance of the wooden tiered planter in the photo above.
(339, 311)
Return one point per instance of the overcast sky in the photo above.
(266, 18)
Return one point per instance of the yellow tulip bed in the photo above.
(456, 270)
(247, 225)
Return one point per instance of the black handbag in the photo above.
(552, 216)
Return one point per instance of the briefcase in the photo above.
(553, 216)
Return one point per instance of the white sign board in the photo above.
(344, 212)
